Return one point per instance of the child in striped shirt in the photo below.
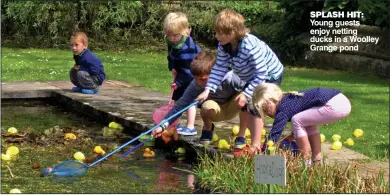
(181, 51)
(253, 61)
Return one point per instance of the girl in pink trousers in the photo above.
(305, 109)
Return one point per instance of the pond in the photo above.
(41, 127)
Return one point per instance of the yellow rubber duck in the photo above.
(235, 130)
(99, 150)
(113, 125)
(270, 143)
(12, 151)
(6, 158)
(349, 142)
(215, 137)
(322, 137)
(12, 130)
(337, 145)
(79, 156)
(223, 144)
(358, 133)
(271, 149)
(148, 153)
(262, 140)
(15, 191)
(247, 133)
(263, 132)
(336, 137)
(180, 151)
(70, 136)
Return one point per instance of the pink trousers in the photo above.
(306, 122)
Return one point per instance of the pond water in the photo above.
(42, 126)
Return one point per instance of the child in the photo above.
(253, 61)
(219, 106)
(88, 72)
(181, 52)
(306, 110)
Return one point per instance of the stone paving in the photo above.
(132, 106)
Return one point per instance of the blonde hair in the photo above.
(268, 93)
(176, 22)
(229, 21)
(79, 37)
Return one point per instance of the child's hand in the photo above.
(76, 67)
(203, 96)
(189, 32)
(241, 100)
(157, 132)
(174, 86)
(174, 73)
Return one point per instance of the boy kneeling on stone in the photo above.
(219, 106)
(88, 72)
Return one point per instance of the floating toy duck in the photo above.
(337, 145)
(322, 137)
(223, 144)
(148, 153)
(349, 142)
(336, 137)
(12, 130)
(358, 133)
(99, 150)
(15, 191)
(79, 156)
(115, 125)
(235, 130)
(180, 151)
(70, 136)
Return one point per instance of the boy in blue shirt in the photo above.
(88, 72)
(181, 51)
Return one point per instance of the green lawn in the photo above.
(369, 95)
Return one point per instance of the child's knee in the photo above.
(207, 112)
(295, 121)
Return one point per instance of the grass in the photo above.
(237, 176)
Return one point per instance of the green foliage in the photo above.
(376, 12)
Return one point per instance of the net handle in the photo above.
(144, 133)
(170, 95)
(172, 90)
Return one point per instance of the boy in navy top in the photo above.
(88, 72)
(181, 51)
(305, 109)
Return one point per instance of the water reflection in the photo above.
(171, 174)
